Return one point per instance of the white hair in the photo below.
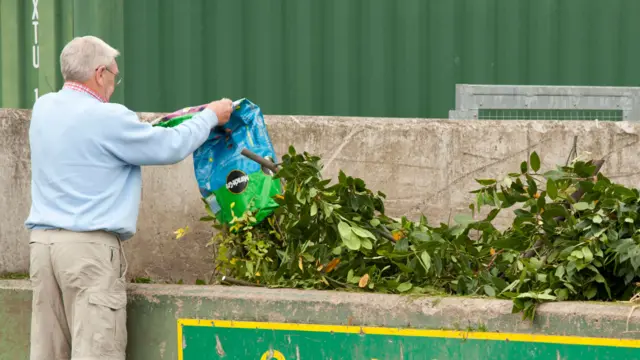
(83, 55)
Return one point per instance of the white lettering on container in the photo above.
(35, 49)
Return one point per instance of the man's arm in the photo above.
(138, 143)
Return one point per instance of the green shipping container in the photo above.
(330, 57)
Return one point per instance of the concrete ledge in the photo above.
(423, 165)
(153, 312)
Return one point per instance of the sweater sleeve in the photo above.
(139, 143)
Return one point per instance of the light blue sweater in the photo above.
(86, 157)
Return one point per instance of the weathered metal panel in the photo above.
(333, 57)
(32, 33)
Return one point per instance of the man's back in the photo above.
(77, 183)
(86, 156)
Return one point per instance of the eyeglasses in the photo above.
(117, 77)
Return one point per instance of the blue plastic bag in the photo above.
(229, 182)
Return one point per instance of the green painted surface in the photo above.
(153, 313)
(15, 322)
(331, 57)
(208, 343)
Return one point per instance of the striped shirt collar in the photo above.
(72, 85)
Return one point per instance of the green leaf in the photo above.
(554, 175)
(591, 292)
(511, 286)
(588, 255)
(533, 187)
(328, 209)
(348, 237)
(546, 297)
(624, 192)
(560, 271)
(366, 243)
(490, 291)
(535, 161)
(536, 263)
(404, 268)
(402, 245)
(342, 178)
(581, 206)
(404, 287)
(528, 295)
(578, 254)
(351, 278)
(486, 182)
(426, 260)
(314, 209)
(463, 219)
(552, 189)
(524, 167)
(562, 294)
(363, 233)
(421, 236)
(597, 219)
(374, 222)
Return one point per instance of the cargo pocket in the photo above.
(108, 308)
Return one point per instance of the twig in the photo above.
(232, 281)
(493, 259)
(338, 282)
(629, 318)
(387, 236)
(573, 151)
(635, 298)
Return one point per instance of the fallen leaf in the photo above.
(332, 265)
(492, 251)
(300, 263)
(181, 232)
(325, 281)
(364, 280)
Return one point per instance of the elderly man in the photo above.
(86, 155)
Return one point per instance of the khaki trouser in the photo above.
(79, 296)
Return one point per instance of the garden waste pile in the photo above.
(574, 236)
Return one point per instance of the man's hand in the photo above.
(223, 109)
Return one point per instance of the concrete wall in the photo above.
(426, 166)
(153, 312)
